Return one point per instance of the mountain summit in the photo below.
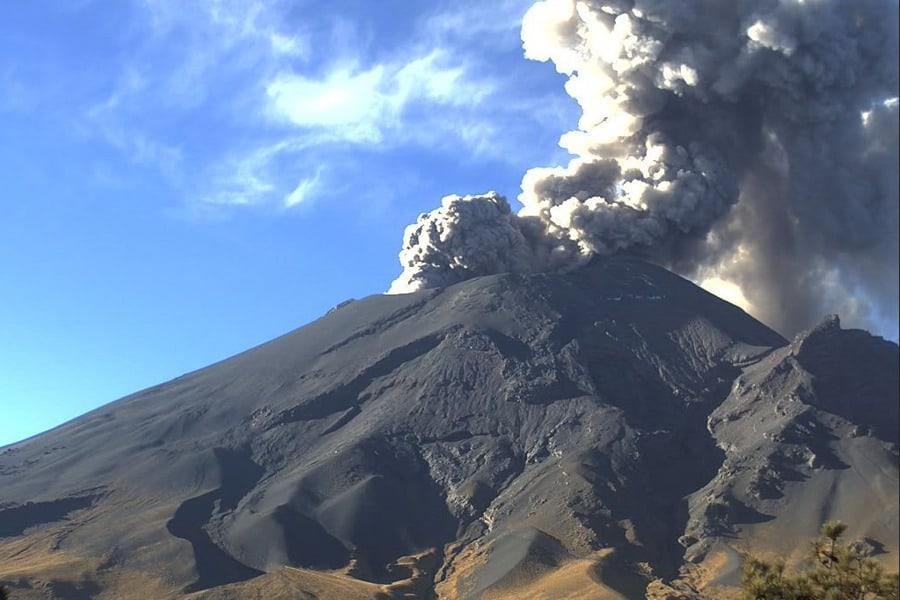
(579, 435)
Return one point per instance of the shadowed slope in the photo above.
(413, 442)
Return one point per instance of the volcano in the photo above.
(612, 432)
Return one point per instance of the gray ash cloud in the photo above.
(754, 142)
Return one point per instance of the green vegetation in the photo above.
(839, 572)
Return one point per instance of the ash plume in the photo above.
(754, 142)
(466, 237)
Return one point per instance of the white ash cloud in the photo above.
(752, 142)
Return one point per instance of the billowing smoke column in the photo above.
(751, 141)
(466, 237)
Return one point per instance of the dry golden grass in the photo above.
(575, 580)
(462, 566)
(36, 560)
(301, 584)
(33, 565)
(295, 584)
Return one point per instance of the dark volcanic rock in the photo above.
(809, 434)
(524, 420)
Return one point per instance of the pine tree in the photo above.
(840, 572)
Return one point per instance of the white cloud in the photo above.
(288, 45)
(424, 77)
(344, 101)
(244, 188)
(361, 105)
(280, 89)
(303, 190)
(243, 180)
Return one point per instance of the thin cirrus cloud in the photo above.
(111, 121)
(304, 190)
(241, 104)
(363, 105)
(382, 106)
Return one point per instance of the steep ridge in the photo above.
(809, 435)
(506, 433)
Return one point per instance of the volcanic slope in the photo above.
(554, 436)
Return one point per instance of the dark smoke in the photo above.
(751, 142)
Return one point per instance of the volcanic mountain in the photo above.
(611, 432)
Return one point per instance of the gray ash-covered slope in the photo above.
(495, 431)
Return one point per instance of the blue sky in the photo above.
(184, 180)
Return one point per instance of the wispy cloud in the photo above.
(112, 120)
(304, 190)
(362, 105)
(244, 180)
(240, 103)
(477, 19)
